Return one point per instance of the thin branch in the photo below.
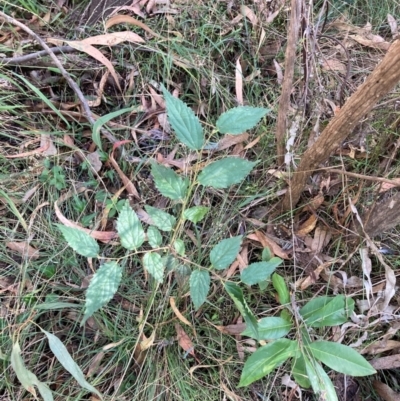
(63, 71)
(20, 60)
(364, 177)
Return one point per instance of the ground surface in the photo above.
(213, 56)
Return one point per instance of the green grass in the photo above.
(33, 289)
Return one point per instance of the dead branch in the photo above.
(290, 57)
(383, 79)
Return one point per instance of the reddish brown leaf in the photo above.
(104, 236)
(267, 242)
(385, 391)
(184, 341)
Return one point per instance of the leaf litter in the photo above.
(310, 230)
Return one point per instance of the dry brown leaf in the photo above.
(112, 39)
(104, 236)
(233, 329)
(121, 19)
(99, 91)
(333, 65)
(307, 226)
(385, 186)
(68, 140)
(385, 391)
(305, 282)
(130, 187)
(113, 345)
(94, 161)
(239, 82)
(229, 140)
(98, 55)
(147, 342)
(287, 381)
(184, 341)
(381, 346)
(249, 13)
(386, 362)
(374, 41)
(178, 313)
(269, 243)
(279, 72)
(252, 143)
(95, 364)
(47, 142)
(158, 98)
(320, 240)
(28, 194)
(24, 249)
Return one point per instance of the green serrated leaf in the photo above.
(79, 241)
(266, 255)
(225, 172)
(240, 119)
(266, 359)
(280, 286)
(341, 358)
(299, 372)
(168, 182)
(195, 213)
(179, 246)
(130, 228)
(154, 237)
(236, 294)
(199, 287)
(162, 220)
(26, 377)
(271, 328)
(225, 252)
(260, 271)
(184, 122)
(327, 311)
(104, 120)
(63, 356)
(153, 263)
(102, 288)
(320, 381)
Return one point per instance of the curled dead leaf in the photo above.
(104, 236)
(307, 226)
(178, 313)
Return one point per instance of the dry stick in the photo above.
(393, 182)
(290, 57)
(383, 79)
(64, 73)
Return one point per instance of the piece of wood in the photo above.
(284, 100)
(383, 79)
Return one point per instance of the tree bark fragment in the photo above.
(383, 79)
